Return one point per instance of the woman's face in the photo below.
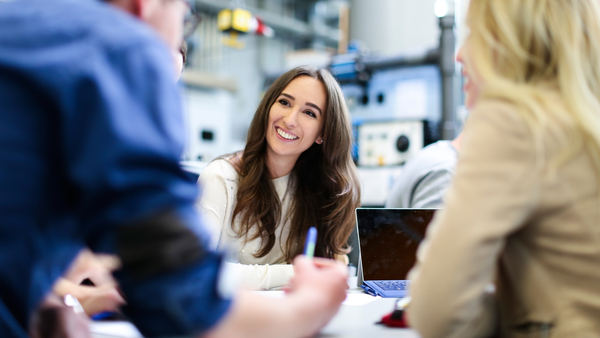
(296, 119)
(473, 82)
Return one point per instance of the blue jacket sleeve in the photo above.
(122, 137)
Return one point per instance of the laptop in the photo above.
(388, 241)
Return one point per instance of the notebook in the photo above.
(388, 241)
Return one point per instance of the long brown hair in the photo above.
(325, 182)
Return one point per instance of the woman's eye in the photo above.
(284, 102)
(310, 113)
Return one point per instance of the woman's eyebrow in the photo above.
(307, 103)
(315, 106)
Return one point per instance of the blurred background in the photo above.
(393, 58)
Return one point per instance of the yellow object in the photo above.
(224, 20)
(232, 41)
(241, 20)
(237, 20)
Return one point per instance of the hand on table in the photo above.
(102, 297)
(319, 287)
(96, 267)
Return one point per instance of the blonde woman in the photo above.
(295, 172)
(524, 210)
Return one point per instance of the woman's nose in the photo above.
(459, 55)
(290, 120)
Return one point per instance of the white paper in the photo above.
(115, 329)
(358, 299)
(352, 299)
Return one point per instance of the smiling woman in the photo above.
(295, 123)
(295, 172)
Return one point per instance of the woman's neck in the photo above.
(280, 166)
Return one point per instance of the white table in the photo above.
(359, 321)
(350, 322)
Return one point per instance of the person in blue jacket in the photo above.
(90, 139)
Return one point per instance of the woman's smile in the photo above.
(285, 135)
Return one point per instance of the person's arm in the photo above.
(262, 276)
(312, 301)
(430, 191)
(495, 190)
(269, 276)
(122, 137)
(215, 198)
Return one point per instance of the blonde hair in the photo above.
(525, 50)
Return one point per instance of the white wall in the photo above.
(393, 26)
(209, 110)
(461, 12)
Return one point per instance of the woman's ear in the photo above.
(319, 140)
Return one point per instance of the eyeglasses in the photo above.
(191, 20)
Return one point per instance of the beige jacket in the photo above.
(533, 234)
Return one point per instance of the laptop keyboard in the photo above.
(392, 284)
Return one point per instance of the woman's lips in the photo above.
(285, 135)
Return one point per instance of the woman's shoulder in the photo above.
(513, 110)
(501, 115)
(495, 108)
(220, 167)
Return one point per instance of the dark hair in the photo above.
(183, 48)
(326, 184)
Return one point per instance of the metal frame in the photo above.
(281, 24)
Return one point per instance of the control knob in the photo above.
(402, 143)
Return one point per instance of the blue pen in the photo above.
(311, 240)
(103, 315)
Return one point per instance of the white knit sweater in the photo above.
(219, 184)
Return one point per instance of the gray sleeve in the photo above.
(430, 191)
(399, 195)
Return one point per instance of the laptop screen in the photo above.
(389, 239)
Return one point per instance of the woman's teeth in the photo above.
(286, 135)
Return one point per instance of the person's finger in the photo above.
(103, 300)
(316, 261)
(102, 278)
(110, 262)
(323, 262)
(329, 264)
(301, 264)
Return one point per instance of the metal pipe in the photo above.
(406, 60)
(447, 45)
